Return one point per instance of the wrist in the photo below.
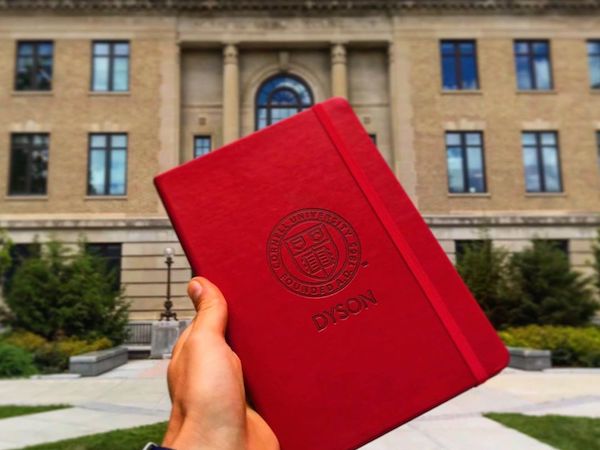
(193, 436)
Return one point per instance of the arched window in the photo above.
(281, 96)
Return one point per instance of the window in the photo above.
(459, 65)
(110, 66)
(466, 166)
(462, 246)
(532, 62)
(593, 48)
(541, 161)
(34, 66)
(561, 245)
(373, 137)
(202, 145)
(280, 97)
(18, 254)
(28, 164)
(107, 164)
(111, 254)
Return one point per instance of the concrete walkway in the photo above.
(136, 394)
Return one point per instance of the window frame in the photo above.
(107, 164)
(530, 63)
(111, 59)
(457, 55)
(540, 161)
(590, 56)
(464, 160)
(35, 56)
(269, 108)
(30, 147)
(202, 136)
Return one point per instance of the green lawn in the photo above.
(562, 432)
(128, 439)
(20, 410)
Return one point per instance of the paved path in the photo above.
(136, 394)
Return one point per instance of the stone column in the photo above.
(231, 94)
(401, 116)
(339, 71)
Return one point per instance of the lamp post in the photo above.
(167, 314)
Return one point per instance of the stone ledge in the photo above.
(76, 224)
(590, 219)
(307, 6)
(437, 220)
(95, 363)
(529, 358)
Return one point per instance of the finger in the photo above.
(211, 307)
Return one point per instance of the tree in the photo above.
(550, 291)
(61, 293)
(484, 268)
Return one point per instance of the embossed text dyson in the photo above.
(344, 310)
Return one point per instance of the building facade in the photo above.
(487, 111)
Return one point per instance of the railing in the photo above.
(140, 332)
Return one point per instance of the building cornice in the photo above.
(304, 6)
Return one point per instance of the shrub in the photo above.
(549, 291)
(484, 268)
(49, 359)
(570, 346)
(15, 362)
(72, 347)
(26, 340)
(54, 356)
(60, 294)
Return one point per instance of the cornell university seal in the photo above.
(313, 252)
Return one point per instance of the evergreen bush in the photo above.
(5, 259)
(533, 286)
(484, 268)
(61, 294)
(15, 362)
(596, 262)
(550, 291)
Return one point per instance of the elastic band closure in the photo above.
(439, 306)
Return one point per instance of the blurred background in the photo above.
(488, 112)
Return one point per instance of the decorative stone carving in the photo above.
(284, 61)
(230, 54)
(339, 71)
(338, 54)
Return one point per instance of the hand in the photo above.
(206, 385)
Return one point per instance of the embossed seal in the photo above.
(314, 252)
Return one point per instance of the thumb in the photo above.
(210, 305)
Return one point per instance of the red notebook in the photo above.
(347, 315)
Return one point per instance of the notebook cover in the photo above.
(347, 315)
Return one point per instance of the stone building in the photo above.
(487, 111)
